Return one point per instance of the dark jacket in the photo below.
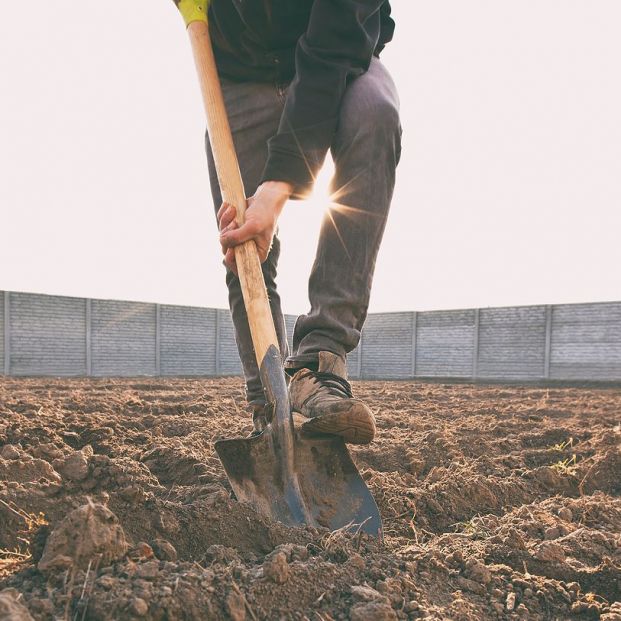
(317, 46)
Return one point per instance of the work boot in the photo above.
(324, 396)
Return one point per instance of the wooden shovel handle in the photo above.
(232, 189)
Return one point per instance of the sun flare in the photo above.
(320, 199)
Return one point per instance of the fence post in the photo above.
(158, 341)
(414, 318)
(475, 344)
(217, 348)
(548, 344)
(7, 333)
(89, 350)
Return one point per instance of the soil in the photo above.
(499, 502)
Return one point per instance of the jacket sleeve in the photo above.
(336, 47)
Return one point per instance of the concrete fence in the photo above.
(53, 335)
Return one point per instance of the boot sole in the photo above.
(355, 426)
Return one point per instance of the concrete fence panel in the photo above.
(586, 341)
(445, 343)
(47, 335)
(227, 345)
(387, 346)
(187, 340)
(123, 338)
(511, 342)
(55, 335)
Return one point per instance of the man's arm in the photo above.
(337, 46)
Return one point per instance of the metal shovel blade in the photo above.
(333, 492)
(296, 478)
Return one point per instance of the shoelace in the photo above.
(335, 384)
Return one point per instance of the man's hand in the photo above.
(262, 213)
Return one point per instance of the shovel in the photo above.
(282, 473)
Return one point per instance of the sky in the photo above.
(508, 191)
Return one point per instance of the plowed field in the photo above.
(499, 502)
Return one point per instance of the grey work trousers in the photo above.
(365, 150)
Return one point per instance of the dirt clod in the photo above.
(75, 466)
(9, 452)
(164, 550)
(276, 568)
(89, 534)
(550, 552)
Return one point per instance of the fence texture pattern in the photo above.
(54, 335)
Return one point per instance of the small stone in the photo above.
(522, 610)
(164, 550)
(75, 467)
(9, 452)
(566, 514)
(236, 606)
(364, 593)
(411, 606)
(276, 568)
(372, 611)
(139, 607)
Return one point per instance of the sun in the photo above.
(320, 199)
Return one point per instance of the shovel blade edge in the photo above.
(334, 493)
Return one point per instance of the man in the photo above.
(301, 77)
